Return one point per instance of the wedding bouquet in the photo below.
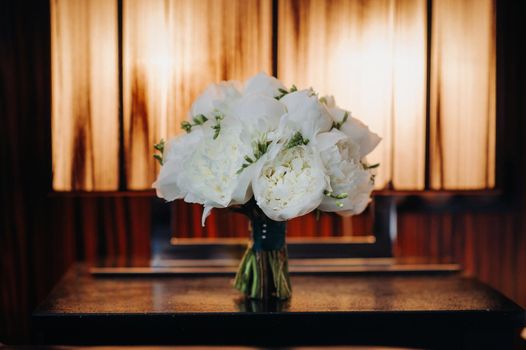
(274, 154)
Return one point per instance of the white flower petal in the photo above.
(211, 171)
(291, 184)
(328, 100)
(166, 184)
(305, 113)
(263, 84)
(329, 139)
(206, 212)
(216, 97)
(357, 131)
(177, 149)
(256, 111)
(347, 176)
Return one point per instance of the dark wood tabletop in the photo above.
(400, 309)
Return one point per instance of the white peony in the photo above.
(258, 113)
(216, 98)
(177, 152)
(210, 174)
(357, 131)
(209, 164)
(305, 114)
(290, 184)
(288, 149)
(265, 85)
(350, 183)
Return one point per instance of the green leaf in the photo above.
(338, 125)
(186, 126)
(260, 148)
(159, 158)
(217, 126)
(296, 140)
(159, 146)
(335, 196)
(200, 119)
(284, 92)
(373, 166)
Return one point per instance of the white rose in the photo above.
(350, 184)
(216, 98)
(263, 84)
(291, 183)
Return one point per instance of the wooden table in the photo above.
(396, 309)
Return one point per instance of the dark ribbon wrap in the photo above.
(268, 234)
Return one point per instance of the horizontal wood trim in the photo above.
(383, 192)
(296, 266)
(290, 241)
(84, 194)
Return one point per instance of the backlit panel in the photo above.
(172, 50)
(463, 95)
(85, 101)
(371, 55)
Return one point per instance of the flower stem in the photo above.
(264, 274)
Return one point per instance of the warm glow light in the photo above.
(463, 95)
(85, 99)
(371, 56)
(172, 50)
(150, 62)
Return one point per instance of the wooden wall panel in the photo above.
(25, 158)
(489, 246)
(222, 223)
(85, 114)
(371, 56)
(41, 235)
(462, 100)
(172, 51)
(98, 227)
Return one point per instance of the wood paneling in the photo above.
(371, 55)
(40, 234)
(25, 155)
(85, 114)
(99, 227)
(222, 223)
(172, 51)
(490, 246)
(463, 84)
